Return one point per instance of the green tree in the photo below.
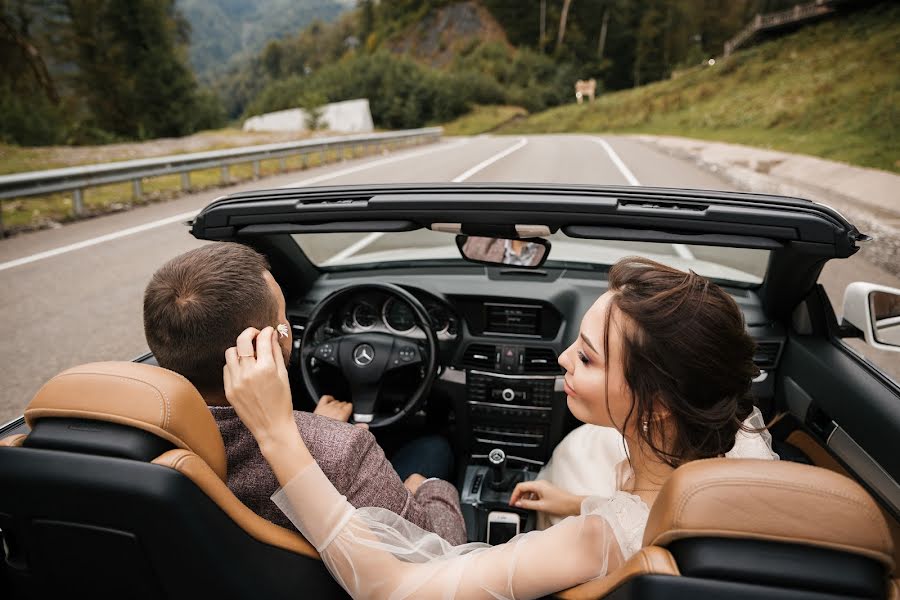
(132, 68)
(31, 111)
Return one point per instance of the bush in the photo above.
(401, 93)
(30, 121)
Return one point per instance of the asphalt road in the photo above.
(73, 295)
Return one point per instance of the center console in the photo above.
(511, 412)
(510, 422)
(488, 487)
(509, 405)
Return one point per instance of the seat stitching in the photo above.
(645, 563)
(792, 486)
(670, 560)
(128, 380)
(170, 416)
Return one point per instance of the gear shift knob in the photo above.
(497, 460)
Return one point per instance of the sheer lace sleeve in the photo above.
(753, 444)
(376, 554)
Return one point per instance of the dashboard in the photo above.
(499, 334)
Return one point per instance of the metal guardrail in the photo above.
(798, 13)
(77, 179)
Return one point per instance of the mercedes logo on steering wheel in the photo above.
(363, 355)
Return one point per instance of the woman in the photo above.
(662, 357)
(567, 479)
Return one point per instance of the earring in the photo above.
(644, 425)
(282, 330)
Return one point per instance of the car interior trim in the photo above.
(195, 468)
(513, 406)
(529, 461)
(865, 467)
(507, 376)
(796, 398)
(651, 559)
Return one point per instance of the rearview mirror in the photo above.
(874, 310)
(528, 252)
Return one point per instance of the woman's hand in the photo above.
(545, 497)
(257, 386)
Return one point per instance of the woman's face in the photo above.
(595, 384)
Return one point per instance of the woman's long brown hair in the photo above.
(685, 351)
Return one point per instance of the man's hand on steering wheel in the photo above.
(363, 358)
(331, 407)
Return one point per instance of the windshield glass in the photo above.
(341, 250)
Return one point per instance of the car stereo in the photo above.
(510, 412)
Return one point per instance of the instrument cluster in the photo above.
(393, 315)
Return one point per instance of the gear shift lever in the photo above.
(497, 460)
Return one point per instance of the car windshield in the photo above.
(337, 251)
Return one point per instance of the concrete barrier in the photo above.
(350, 116)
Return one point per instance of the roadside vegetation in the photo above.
(40, 212)
(477, 66)
(830, 90)
(484, 119)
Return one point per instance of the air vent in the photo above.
(298, 326)
(540, 360)
(481, 356)
(518, 319)
(767, 354)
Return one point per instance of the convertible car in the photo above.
(458, 299)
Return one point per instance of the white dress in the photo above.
(570, 468)
(375, 554)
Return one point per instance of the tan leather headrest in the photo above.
(142, 396)
(772, 500)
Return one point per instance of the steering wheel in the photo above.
(364, 358)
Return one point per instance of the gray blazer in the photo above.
(352, 460)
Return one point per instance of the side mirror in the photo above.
(874, 310)
(529, 253)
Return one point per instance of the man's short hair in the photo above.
(197, 304)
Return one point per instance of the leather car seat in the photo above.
(120, 490)
(741, 528)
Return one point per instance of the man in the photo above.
(195, 306)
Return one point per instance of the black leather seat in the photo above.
(119, 491)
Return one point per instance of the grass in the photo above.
(830, 90)
(483, 119)
(42, 211)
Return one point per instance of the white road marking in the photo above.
(97, 240)
(629, 176)
(486, 163)
(680, 249)
(375, 163)
(353, 248)
(683, 251)
(360, 244)
(190, 215)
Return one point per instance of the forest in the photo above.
(96, 71)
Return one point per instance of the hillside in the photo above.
(446, 32)
(433, 60)
(829, 90)
(223, 30)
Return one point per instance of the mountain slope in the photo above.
(224, 29)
